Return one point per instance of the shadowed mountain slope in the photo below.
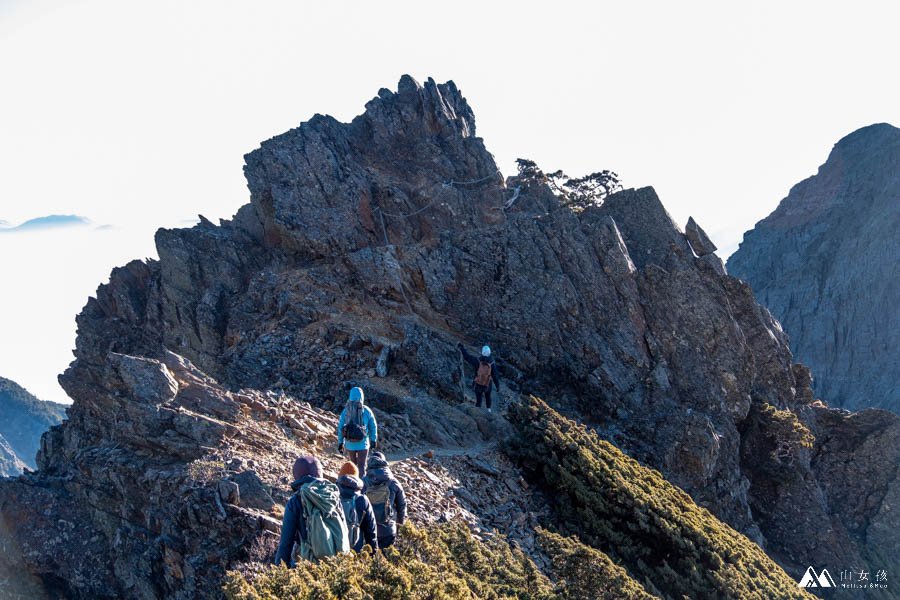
(825, 262)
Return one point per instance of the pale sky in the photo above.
(136, 115)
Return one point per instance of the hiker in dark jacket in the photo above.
(387, 498)
(485, 372)
(357, 509)
(293, 527)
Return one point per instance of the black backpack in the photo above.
(353, 426)
(379, 495)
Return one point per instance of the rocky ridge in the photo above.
(175, 452)
(835, 234)
(368, 250)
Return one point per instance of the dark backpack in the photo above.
(483, 376)
(353, 426)
(352, 517)
(379, 495)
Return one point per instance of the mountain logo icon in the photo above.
(811, 580)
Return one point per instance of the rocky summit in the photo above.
(825, 264)
(23, 419)
(370, 249)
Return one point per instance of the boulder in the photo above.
(253, 492)
(700, 242)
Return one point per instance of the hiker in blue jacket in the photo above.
(293, 527)
(485, 372)
(357, 430)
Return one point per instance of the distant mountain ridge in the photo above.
(10, 464)
(825, 263)
(46, 222)
(24, 420)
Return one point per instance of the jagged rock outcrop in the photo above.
(23, 419)
(368, 250)
(825, 263)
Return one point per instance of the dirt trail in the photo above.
(473, 450)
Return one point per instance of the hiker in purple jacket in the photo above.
(293, 527)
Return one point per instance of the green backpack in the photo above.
(326, 528)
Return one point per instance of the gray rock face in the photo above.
(307, 291)
(851, 449)
(825, 264)
(23, 419)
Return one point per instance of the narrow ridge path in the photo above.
(475, 449)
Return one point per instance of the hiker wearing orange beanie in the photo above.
(348, 468)
(357, 509)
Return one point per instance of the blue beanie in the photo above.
(357, 395)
